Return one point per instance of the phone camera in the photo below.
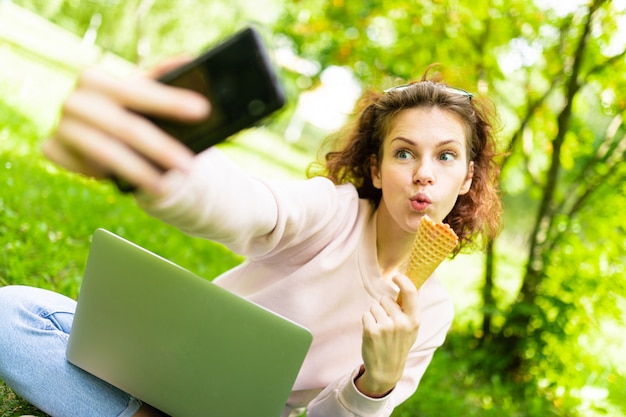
(256, 107)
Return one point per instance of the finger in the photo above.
(369, 322)
(408, 293)
(134, 131)
(391, 307)
(100, 155)
(147, 96)
(69, 159)
(380, 315)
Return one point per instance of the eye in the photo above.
(447, 156)
(403, 154)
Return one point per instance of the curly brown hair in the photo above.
(475, 214)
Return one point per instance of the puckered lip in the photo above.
(421, 198)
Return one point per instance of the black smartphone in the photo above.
(240, 82)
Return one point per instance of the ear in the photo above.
(375, 170)
(467, 183)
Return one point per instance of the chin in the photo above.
(412, 226)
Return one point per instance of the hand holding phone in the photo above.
(237, 78)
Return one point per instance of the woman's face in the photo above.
(424, 167)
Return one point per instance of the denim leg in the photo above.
(34, 329)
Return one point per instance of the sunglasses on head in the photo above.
(453, 90)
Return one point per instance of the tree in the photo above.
(566, 187)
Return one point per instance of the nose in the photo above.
(424, 174)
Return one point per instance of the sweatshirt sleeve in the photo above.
(219, 201)
(342, 398)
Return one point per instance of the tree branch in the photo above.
(619, 155)
(586, 174)
(599, 67)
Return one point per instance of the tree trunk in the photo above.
(489, 305)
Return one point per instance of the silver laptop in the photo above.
(178, 341)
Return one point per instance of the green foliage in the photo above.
(144, 30)
(399, 39)
(567, 244)
(452, 387)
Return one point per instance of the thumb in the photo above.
(409, 294)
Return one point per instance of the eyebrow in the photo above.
(439, 144)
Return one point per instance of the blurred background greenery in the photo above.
(540, 313)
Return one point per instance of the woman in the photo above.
(328, 252)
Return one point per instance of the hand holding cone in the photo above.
(433, 243)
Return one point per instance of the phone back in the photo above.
(240, 82)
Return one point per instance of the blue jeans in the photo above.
(34, 329)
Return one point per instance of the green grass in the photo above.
(13, 406)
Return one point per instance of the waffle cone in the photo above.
(433, 243)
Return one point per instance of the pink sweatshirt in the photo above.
(311, 257)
